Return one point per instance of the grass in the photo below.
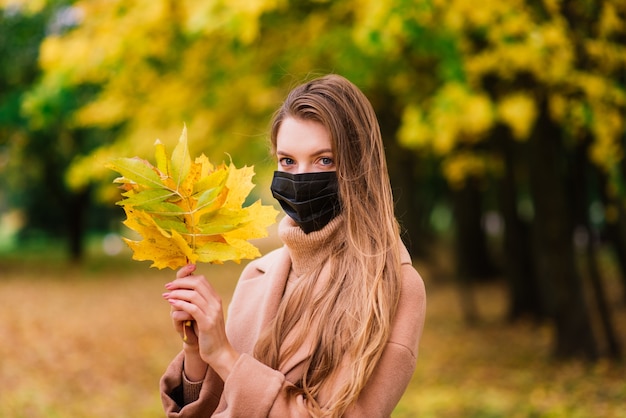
(93, 342)
(496, 369)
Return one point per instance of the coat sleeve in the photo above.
(172, 392)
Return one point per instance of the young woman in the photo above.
(329, 324)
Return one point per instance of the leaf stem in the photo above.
(185, 325)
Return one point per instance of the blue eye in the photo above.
(286, 161)
(326, 161)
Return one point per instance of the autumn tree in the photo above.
(497, 99)
(38, 141)
(541, 78)
(221, 68)
(105, 93)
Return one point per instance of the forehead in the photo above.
(302, 136)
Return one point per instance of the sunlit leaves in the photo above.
(516, 57)
(189, 211)
(141, 52)
(159, 62)
(460, 166)
(519, 112)
(455, 115)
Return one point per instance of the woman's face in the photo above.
(304, 146)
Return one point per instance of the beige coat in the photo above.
(255, 390)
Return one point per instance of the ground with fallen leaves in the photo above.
(92, 341)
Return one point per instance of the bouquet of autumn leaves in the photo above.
(189, 211)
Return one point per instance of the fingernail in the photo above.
(166, 295)
(169, 286)
(171, 301)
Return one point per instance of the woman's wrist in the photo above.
(194, 367)
(223, 361)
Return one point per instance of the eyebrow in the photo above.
(319, 152)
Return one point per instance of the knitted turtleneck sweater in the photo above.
(308, 251)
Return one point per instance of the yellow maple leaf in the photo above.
(189, 210)
(240, 184)
(164, 249)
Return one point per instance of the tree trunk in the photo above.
(552, 233)
(616, 232)
(472, 254)
(524, 295)
(409, 183)
(402, 172)
(615, 228)
(583, 198)
(614, 348)
(77, 207)
(473, 262)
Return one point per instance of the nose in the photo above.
(304, 168)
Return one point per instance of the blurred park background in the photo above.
(505, 137)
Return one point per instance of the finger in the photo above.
(197, 283)
(185, 271)
(194, 312)
(206, 316)
(192, 296)
(181, 316)
(188, 282)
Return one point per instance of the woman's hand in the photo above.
(193, 299)
(183, 322)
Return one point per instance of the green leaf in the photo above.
(162, 208)
(216, 179)
(181, 161)
(145, 198)
(137, 170)
(208, 197)
(172, 224)
(218, 228)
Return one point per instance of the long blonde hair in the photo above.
(349, 321)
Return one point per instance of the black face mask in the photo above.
(310, 199)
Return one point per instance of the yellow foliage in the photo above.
(608, 126)
(610, 21)
(544, 50)
(456, 115)
(24, 6)
(154, 69)
(105, 112)
(82, 171)
(460, 166)
(608, 56)
(189, 211)
(214, 65)
(478, 116)
(371, 17)
(557, 105)
(240, 18)
(552, 6)
(414, 131)
(519, 112)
